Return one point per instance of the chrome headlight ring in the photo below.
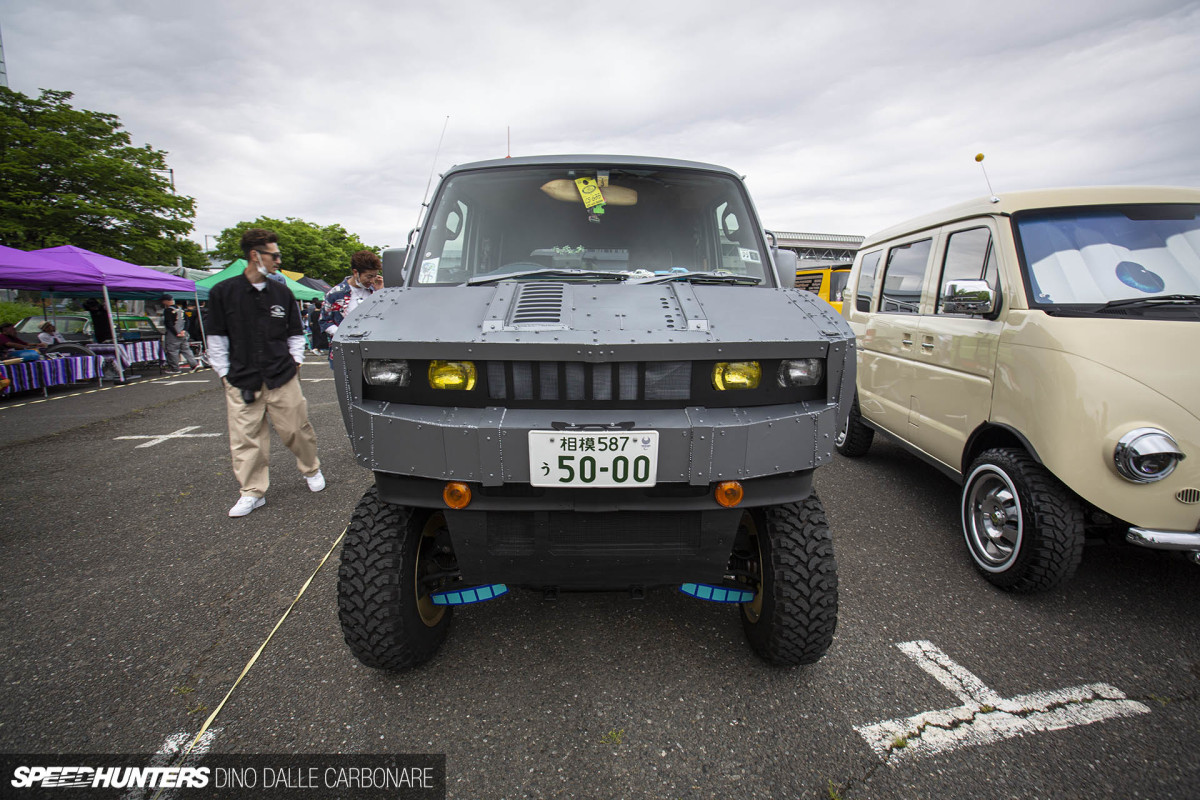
(387, 372)
(1146, 455)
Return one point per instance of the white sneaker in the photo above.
(245, 505)
(316, 483)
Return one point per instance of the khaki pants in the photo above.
(250, 438)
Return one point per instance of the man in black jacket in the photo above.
(255, 342)
(175, 337)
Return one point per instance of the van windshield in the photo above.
(1094, 256)
(588, 223)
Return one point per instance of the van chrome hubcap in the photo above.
(992, 519)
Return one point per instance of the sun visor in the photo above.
(569, 192)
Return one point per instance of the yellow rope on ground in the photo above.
(211, 717)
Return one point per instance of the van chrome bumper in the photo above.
(1164, 540)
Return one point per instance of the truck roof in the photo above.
(632, 162)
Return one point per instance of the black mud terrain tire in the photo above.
(793, 616)
(855, 439)
(1024, 529)
(388, 619)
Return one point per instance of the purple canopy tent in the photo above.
(75, 270)
(22, 270)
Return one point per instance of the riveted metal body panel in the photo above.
(552, 354)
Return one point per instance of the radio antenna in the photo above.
(979, 159)
(432, 169)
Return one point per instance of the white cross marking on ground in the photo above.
(182, 433)
(167, 756)
(985, 717)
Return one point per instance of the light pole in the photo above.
(171, 171)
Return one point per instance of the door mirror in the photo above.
(785, 267)
(393, 266)
(968, 297)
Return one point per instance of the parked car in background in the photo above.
(827, 282)
(78, 327)
(1039, 348)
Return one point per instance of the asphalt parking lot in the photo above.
(133, 603)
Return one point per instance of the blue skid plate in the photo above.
(716, 594)
(463, 597)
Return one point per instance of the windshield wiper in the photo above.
(702, 277)
(1150, 302)
(549, 272)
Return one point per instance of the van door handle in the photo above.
(907, 340)
(928, 343)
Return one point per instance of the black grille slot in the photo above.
(557, 381)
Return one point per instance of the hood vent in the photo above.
(536, 306)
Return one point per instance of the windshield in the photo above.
(1095, 255)
(621, 222)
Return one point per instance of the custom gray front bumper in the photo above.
(490, 446)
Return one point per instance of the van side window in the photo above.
(866, 280)
(969, 256)
(904, 276)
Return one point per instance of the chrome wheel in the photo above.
(992, 518)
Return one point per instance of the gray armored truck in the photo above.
(590, 373)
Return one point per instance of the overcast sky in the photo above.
(846, 117)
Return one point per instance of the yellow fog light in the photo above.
(452, 375)
(457, 495)
(729, 493)
(736, 375)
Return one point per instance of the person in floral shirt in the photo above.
(364, 278)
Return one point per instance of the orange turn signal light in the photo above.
(729, 493)
(457, 495)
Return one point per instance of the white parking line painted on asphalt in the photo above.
(985, 717)
(315, 380)
(182, 433)
(177, 383)
(173, 749)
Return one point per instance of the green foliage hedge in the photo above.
(15, 312)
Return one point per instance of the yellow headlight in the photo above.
(452, 375)
(736, 375)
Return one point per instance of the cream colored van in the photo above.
(1043, 349)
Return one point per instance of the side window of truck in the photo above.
(904, 276)
(969, 256)
(866, 280)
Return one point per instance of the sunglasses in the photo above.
(276, 256)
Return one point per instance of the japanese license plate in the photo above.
(594, 459)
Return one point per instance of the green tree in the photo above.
(317, 251)
(69, 176)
